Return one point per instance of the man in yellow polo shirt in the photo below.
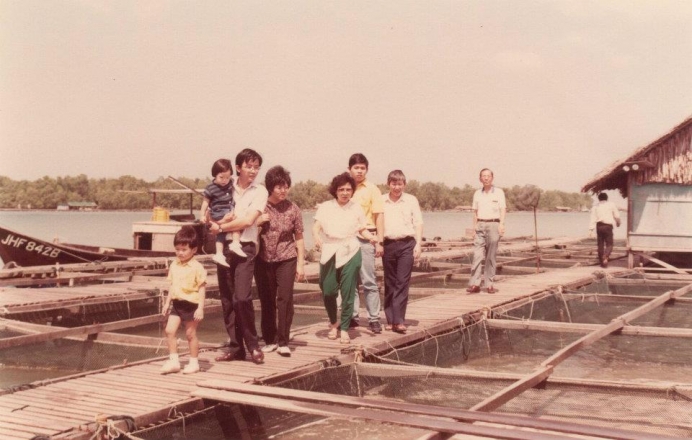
(369, 197)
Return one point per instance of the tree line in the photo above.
(131, 193)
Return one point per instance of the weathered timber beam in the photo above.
(673, 283)
(660, 263)
(412, 408)
(546, 367)
(616, 298)
(69, 303)
(346, 413)
(564, 327)
(17, 341)
(508, 393)
(402, 371)
(88, 431)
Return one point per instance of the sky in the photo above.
(542, 92)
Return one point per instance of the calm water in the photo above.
(114, 229)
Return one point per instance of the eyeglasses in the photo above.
(251, 168)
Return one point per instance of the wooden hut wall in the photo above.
(661, 217)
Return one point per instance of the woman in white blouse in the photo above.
(337, 225)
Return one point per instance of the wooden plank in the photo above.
(23, 428)
(426, 410)
(546, 366)
(413, 421)
(17, 341)
(105, 337)
(9, 434)
(566, 327)
(505, 395)
(659, 262)
(52, 423)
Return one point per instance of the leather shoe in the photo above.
(228, 356)
(257, 356)
(473, 289)
(399, 328)
(354, 323)
(491, 289)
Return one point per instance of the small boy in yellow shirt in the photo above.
(185, 300)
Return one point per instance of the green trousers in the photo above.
(344, 280)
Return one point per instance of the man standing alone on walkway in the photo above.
(489, 209)
(368, 196)
(603, 216)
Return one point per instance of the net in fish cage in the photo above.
(663, 409)
(86, 313)
(64, 357)
(632, 358)
(480, 347)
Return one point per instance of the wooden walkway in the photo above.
(68, 408)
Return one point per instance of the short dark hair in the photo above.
(486, 169)
(341, 180)
(247, 155)
(357, 158)
(603, 196)
(186, 236)
(277, 176)
(396, 175)
(221, 166)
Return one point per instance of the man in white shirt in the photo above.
(603, 216)
(235, 282)
(403, 232)
(489, 209)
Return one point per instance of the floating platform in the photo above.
(134, 395)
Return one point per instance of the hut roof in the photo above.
(666, 160)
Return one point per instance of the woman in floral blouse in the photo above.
(280, 261)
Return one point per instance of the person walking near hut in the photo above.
(281, 260)
(403, 233)
(340, 220)
(185, 300)
(489, 209)
(603, 216)
(369, 197)
(218, 201)
(235, 282)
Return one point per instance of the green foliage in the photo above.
(128, 192)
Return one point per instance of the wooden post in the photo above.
(538, 251)
(630, 184)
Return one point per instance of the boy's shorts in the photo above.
(184, 309)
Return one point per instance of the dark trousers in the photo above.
(235, 289)
(398, 264)
(275, 289)
(604, 237)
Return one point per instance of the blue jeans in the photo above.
(484, 247)
(368, 279)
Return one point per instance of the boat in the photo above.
(17, 249)
(152, 239)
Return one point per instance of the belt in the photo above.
(372, 229)
(391, 240)
(489, 220)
